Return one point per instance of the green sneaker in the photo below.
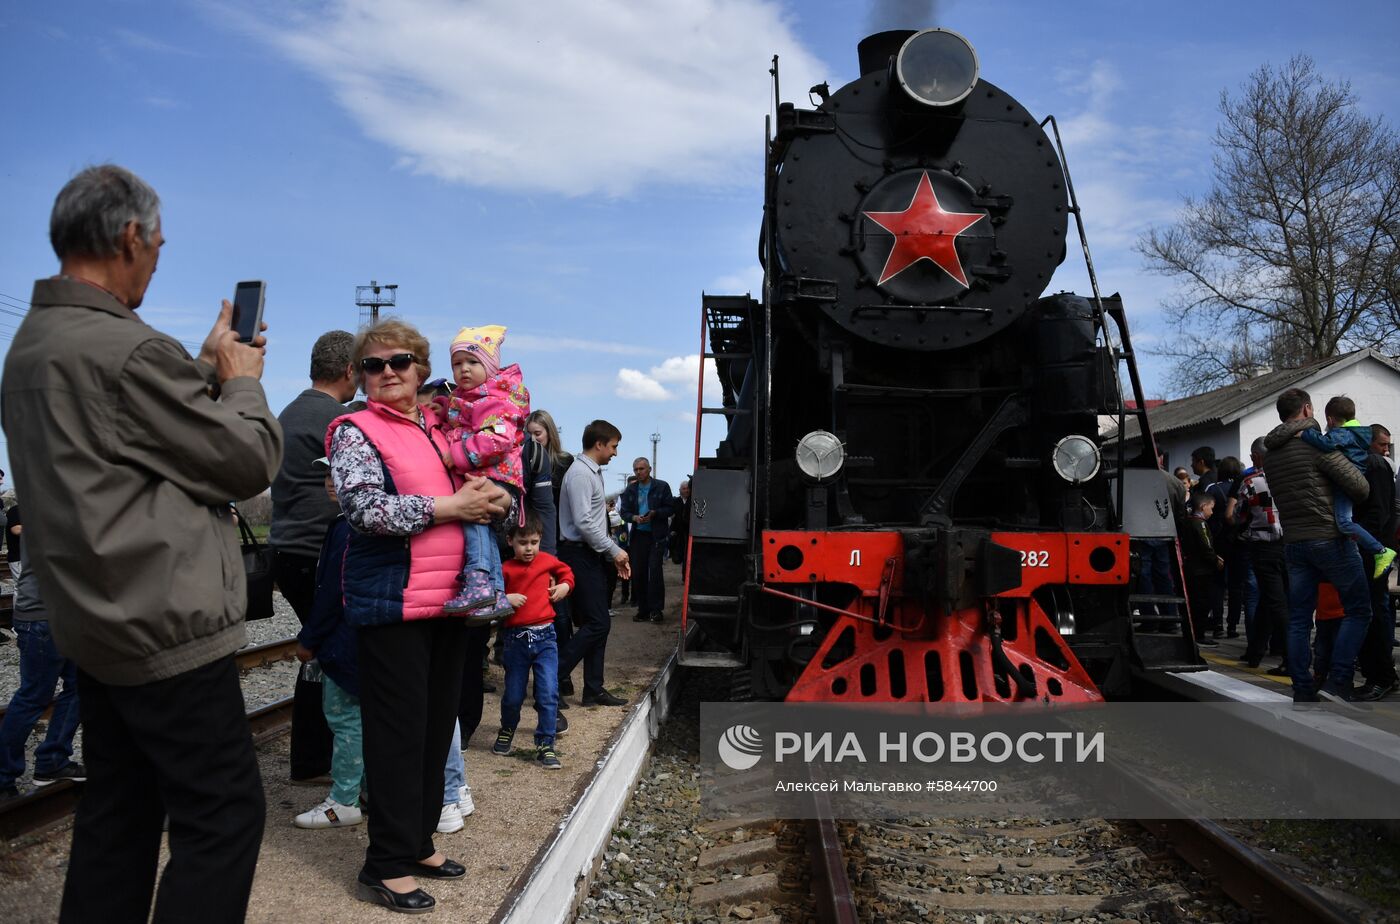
(1383, 562)
(545, 757)
(503, 739)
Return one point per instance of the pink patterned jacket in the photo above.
(485, 427)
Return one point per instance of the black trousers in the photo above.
(471, 703)
(649, 587)
(590, 606)
(180, 747)
(311, 736)
(1200, 588)
(410, 688)
(1377, 656)
(1271, 617)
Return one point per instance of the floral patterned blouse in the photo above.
(358, 474)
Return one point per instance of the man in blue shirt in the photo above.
(646, 506)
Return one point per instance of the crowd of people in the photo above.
(406, 529)
(1298, 546)
(409, 527)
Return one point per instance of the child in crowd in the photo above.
(457, 802)
(1200, 564)
(1347, 436)
(485, 425)
(331, 641)
(530, 643)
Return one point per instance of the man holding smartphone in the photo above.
(127, 452)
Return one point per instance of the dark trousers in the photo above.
(311, 736)
(1268, 634)
(1236, 577)
(470, 706)
(410, 688)
(648, 587)
(1199, 588)
(1377, 657)
(1155, 572)
(590, 605)
(180, 747)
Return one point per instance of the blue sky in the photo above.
(579, 172)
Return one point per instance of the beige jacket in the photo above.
(127, 465)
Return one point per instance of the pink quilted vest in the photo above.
(437, 554)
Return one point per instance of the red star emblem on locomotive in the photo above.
(924, 231)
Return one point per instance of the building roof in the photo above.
(1231, 402)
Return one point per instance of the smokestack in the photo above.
(876, 50)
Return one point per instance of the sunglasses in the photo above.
(399, 362)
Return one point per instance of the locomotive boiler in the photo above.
(912, 500)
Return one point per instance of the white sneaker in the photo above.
(450, 821)
(464, 801)
(329, 814)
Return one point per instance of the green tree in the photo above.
(1292, 255)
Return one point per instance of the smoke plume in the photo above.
(902, 14)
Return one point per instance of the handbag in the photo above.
(257, 563)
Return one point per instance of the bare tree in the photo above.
(1292, 255)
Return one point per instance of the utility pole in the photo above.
(371, 298)
(655, 438)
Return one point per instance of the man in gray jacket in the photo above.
(127, 452)
(1303, 480)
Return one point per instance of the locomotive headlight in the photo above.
(820, 455)
(1076, 459)
(936, 67)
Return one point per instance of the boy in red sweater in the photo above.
(535, 580)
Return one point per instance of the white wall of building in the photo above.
(1178, 445)
(1373, 386)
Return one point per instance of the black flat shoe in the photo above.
(450, 869)
(377, 893)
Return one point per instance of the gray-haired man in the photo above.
(127, 452)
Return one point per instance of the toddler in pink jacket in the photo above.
(485, 426)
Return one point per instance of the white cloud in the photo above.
(638, 386)
(568, 98)
(680, 373)
(749, 279)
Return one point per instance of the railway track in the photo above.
(48, 805)
(250, 658)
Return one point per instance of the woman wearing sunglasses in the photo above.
(400, 568)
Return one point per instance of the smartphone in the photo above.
(248, 309)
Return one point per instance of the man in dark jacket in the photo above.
(301, 515)
(1303, 480)
(646, 508)
(127, 453)
(1377, 516)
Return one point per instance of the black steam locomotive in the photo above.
(913, 501)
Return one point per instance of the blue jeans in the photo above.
(483, 554)
(41, 667)
(532, 648)
(1155, 576)
(1342, 509)
(454, 775)
(1337, 562)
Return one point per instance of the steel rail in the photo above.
(831, 885)
(46, 806)
(1260, 886)
(264, 655)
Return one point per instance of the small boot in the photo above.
(499, 609)
(476, 594)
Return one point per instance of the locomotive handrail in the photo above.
(1119, 321)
